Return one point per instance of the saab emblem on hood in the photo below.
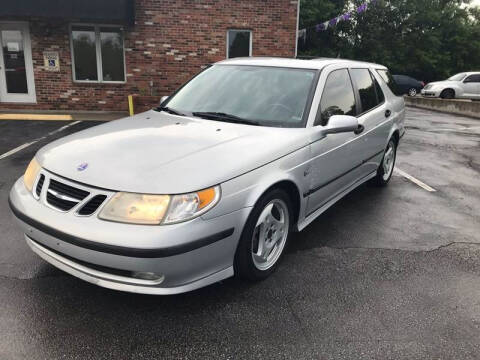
(82, 166)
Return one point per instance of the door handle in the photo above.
(387, 113)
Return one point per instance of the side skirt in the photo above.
(309, 219)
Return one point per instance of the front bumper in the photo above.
(185, 256)
(430, 93)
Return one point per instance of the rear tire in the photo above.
(385, 170)
(412, 92)
(448, 94)
(264, 236)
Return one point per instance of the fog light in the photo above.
(147, 275)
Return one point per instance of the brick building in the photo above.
(90, 54)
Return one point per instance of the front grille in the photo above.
(64, 197)
(92, 205)
(68, 190)
(64, 205)
(38, 189)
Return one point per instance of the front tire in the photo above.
(385, 170)
(264, 236)
(448, 94)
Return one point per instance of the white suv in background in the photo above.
(460, 86)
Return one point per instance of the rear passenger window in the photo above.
(366, 88)
(388, 78)
(338, 97)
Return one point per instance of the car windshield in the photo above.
(261, 95)
(458, 77)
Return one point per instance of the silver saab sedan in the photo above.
(213, 182)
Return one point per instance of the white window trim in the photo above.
(98, 49)
(242, 30)
(31, 97)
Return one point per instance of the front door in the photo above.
(333, 168)
(16, 69)
(471, 86)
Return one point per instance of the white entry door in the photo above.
(16, 69)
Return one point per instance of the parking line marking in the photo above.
(414, 180)
(61, 129)
(21, 147)
(18, 148)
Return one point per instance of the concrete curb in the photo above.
(59, 115)
(458, 107)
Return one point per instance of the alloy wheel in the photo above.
(270, 234)
(388, 160)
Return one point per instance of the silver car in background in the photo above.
(212, 183)
(460, 86)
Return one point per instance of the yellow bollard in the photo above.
(130, 105)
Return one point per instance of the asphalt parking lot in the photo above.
(389, 273)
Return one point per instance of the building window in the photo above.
(239, 43)
(97, 53)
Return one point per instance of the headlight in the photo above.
(189, 206)
(136, 208)
(31, 174)
(159, 209)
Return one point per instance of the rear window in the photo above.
(388, 78)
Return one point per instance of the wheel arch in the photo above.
(455, 91)
(395, 136)
(293, 192)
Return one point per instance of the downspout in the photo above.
(298, 24)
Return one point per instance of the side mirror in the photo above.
(163, 99)
(341, 124)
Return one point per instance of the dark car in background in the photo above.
(407, 85)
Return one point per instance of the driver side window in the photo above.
(338, 97)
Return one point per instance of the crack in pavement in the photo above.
(298, 320)
(440, 247)
(6, 277)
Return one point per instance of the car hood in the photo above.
(444, 83)
(161, 153)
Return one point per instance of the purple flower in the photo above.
(362, 8)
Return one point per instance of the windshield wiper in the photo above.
(170, 110)
(224, 117)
